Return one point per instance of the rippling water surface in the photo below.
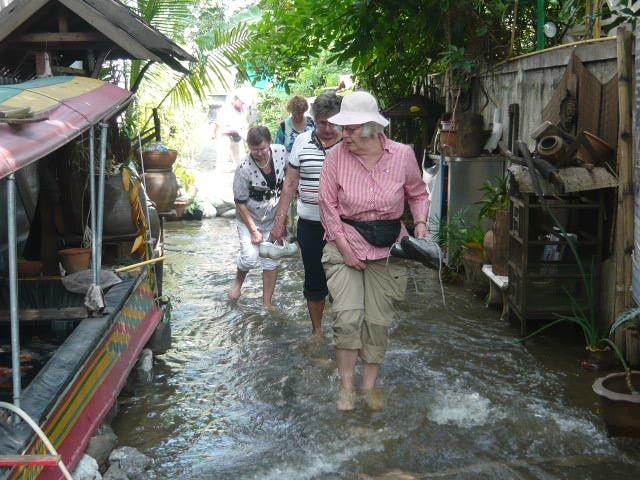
(244, 394)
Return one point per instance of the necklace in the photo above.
(262, 167)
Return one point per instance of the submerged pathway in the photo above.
(244, 395)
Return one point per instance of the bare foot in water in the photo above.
(234, 291)
(346, 400)
(373, 399)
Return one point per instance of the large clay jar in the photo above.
(74, 200)
(118, 219)
(162, 188)
(158, 160)
(118, 216)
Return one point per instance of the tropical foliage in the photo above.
(452, 234)
(495, 197)
(392, 46)
(216, 47)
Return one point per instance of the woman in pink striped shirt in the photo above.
(363, 187)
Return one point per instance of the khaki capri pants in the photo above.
(363, 302)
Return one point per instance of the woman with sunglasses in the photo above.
(257, 185)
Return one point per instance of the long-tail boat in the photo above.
(75, 389)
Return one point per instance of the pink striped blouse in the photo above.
(348, 189)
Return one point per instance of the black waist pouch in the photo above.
(379, 233)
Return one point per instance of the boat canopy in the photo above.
(39, 116)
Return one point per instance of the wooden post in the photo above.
(42, 61)
(156, 123)
(633, 346)
(63, 21)
(624, 228)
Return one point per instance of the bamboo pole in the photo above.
(624, 228)
(140, 264)
(597, 23)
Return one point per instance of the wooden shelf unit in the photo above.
(544, 276)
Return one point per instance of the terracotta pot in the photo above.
(448, 142)
(500, 253)
(75, 259)
(620, 408)
(471, 134)
(552, 148)
(472, 261)
(29, 267)
(487, 246)
(180, 206)
(471, 144)
(159, 160)
(162, 188)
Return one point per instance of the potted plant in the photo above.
(180, 206)
(78, 258)
(194, 210)
(473, 257)
(463, 243)
(494, 206)
(618, 392)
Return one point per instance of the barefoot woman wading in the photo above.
(364, 183)
(256, 188)
(303, 176)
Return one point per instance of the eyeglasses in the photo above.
(350, 129)
(259, 149)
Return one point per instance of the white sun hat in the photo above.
(358, 108)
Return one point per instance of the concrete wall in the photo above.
(530, 81)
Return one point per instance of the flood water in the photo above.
(243, 394)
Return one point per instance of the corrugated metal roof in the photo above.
(61, 108)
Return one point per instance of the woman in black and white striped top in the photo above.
(305, 162)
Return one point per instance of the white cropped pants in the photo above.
(249, 255)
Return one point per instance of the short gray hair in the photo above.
(371, 129)
(258, 134)
(326, 104)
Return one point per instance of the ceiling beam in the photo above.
(68, 37)
(119, 36)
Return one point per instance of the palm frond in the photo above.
(617, 352)
(626, 316)
(545, 327)
(222, 52)
(168, 16)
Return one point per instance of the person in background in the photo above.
(364, 184)
(294, 124)
(303, 176)
(257, 185)
(233, 126)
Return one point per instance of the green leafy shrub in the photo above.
(455, 233)
(495, 197)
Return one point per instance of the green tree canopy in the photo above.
(392, 44)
